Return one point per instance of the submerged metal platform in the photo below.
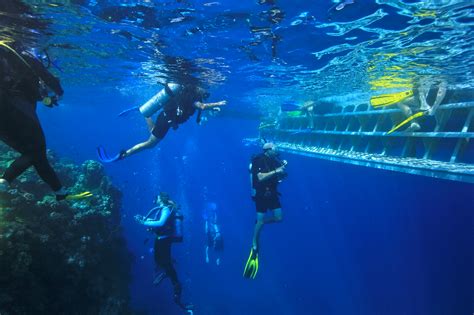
(442, 148)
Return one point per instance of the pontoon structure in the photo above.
(442, 148)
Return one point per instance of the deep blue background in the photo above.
(354, 240)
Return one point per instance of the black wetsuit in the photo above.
(177, 111)
(162, 249)
(266, 193)
(20, 127)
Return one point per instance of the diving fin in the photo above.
(129, 110)
(251, 267)
(406, 121)
(389, 99)
(85, 194)
(104, 157)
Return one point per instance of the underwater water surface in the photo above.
(354, 240)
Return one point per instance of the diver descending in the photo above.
(166, 222)
(24, 82)
(177, 104)
(266, 172)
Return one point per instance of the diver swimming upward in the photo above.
(177, 104)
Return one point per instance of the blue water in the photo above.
(354, 240)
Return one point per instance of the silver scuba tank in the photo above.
(159, 100)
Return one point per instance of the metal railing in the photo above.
(442, 148)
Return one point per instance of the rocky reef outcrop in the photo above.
(65, 257)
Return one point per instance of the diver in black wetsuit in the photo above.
(266, 172)
(23, 82)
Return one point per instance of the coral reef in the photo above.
(64, 257)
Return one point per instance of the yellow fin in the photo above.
(390, 99)
(82, 195)
(406, 121)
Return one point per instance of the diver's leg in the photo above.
(273, 203)
(423, 91)
(150, 124)
(46, 172)
(163, 259)
(439, 97)
(24, 134)
(170, 270)
(258, 228)
(160, 254)
(407, 112)
(150, 143)
(36, 150)
(277, 217)
(159, 131)
(17, 168)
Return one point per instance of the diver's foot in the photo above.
(4, 185)
(61, 194)
(122, 154)
(413, 127)
(159, 278)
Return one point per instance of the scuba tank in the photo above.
(177, 235)
(159, 100)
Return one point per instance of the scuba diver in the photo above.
(177, 104)
(24, 81)
(213, 233)
(166, 222)
(266, 172)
